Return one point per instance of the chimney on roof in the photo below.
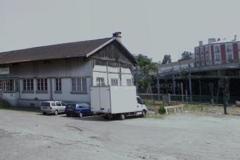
(235, 38)
(200, 43)
(117, 36)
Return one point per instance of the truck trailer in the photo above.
(116, 101)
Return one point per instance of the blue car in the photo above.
(78, 109)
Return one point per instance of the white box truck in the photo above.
(112, 101)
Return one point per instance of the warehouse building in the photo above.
(64, 71)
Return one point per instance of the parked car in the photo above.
(52, 107)
(78, 109)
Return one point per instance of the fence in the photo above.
(156, 98)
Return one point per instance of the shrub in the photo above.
(162, 110)
(4, 104)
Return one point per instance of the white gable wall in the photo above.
(108, 73)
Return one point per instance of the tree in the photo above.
(186, 55)
(144, 73)
(167, 59)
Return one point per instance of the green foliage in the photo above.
(143, 60)
(167, 59)
(4, 104)
(186, 56)
(145, 71)
(162, 110)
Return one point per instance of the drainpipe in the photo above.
(107, 75)
(51, 90)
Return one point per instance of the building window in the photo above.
(42, 84)
(217, 54)
(7, 85)
(1, 85)
(208, 55)
(229, 52)
(10, 85)
(229, 48)
(129, 82)
(230, 58)
(58, 84)
(114, 82)
(28, 85)
(217, 49)
(100, 81)
(79, 85)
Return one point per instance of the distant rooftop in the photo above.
(219, 40)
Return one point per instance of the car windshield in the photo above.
(83, 105)
(58, 103)
(71, 106)
(45, 104)
(140, 101)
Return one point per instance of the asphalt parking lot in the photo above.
(30, 135)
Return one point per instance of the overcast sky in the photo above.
(151, 27)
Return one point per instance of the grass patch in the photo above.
(155, 116)
(196, 107)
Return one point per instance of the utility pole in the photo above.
(174, 84)
(224, 85)
(190, 82)
(226, 94)
(158, 83)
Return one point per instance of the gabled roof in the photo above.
(82, 49)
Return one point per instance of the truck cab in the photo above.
(141, 105)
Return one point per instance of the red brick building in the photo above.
(217, 52)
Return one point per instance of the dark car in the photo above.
(78, 109)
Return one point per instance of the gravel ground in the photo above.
(30, 135)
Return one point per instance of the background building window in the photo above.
(58, 84)
(100, 81)
(229, 48)
(114, 82)
(217, 49)
(229, 52)
(217, 54)
(79, 85)
(28, 85)
(129, 82)
(42, 84)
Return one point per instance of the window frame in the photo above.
(8, 86)
(217, 54)
(42, 85)
(100, 83)
(58, 85)
(79, 85)
(28, 85)
(114, 82)
(229, 53)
